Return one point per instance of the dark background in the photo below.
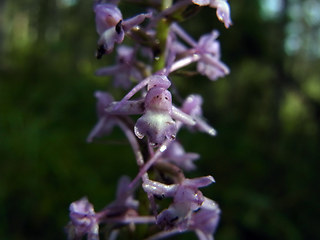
(265, 158)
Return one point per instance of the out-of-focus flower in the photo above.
(124, 198)
(209, 64)
(176, 154)
(124, 69)
(83, 220)
(206, 52)
(192, 106)
(105, 121)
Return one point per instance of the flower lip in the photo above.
(157, 126)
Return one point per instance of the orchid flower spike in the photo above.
(210, 64)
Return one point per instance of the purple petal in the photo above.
(201, 2)
(124, 69)
(202, 126)
(107, 16)
(212, 67)
(110, 37)
(183, 117)
(168, 218)
(208, 43)
(124, 198)
(207, 218)
(105, 122)
(199, 182)
(161, 81)
(134, 21)
(104, 100)
(192, 105)
(83, 219)
(103, 127)
(133, 107)
(188, 198)
(223, 11)
(107, 71)
(176, 154)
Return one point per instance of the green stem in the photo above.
(162, 34)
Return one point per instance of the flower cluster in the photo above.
(149, 63)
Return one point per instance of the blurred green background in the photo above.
(265, 158)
